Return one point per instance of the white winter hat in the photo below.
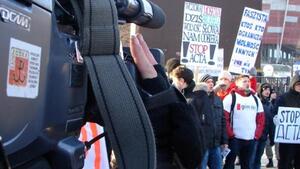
(225, 74)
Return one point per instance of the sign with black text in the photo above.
(200, 37)
(288, 127)
(248, 40)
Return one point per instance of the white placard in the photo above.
(248, 40)
(288, 129)
(23, 69)
(200, 36)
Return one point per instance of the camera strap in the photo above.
(125, 118)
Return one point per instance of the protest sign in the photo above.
(288, 127)
(248, 40)
(200, 36)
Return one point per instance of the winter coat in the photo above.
(269, 125)
(219, 123)
(199, 100)
(174, 128)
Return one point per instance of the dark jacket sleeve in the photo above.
(187, 138)
(271, 126)
(279, 102)
(157, 84)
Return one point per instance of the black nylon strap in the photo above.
(125, 118)
(232, 107)
(100, 28)
(88, 144)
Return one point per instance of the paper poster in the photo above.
(248, 40)
(200, 36)
(23, 69)
(288, 127)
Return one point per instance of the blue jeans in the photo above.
(212, 158)
(243, 148)
(259, 151)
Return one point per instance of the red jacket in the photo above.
(253, 83)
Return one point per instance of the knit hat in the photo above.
(201, 86)
(205, 77)
(252, 71)
(225, 74)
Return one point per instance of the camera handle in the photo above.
(125, 118)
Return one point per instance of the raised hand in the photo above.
(142, 58)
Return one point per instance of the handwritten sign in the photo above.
(200, 35)
(248, 40)
(288, 129)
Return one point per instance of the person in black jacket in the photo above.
(218, 141)
(199, 100)
(174, 126)
(289, 154)
(264, 95)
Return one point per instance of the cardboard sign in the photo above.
(288, 127)
(248, 40)
(200, 36)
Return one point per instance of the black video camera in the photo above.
(45, 82)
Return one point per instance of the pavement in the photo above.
(264, 162)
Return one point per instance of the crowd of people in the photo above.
(234, 112)
(238, 113)
(216, 121)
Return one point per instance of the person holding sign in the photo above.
(288, 126)
(245, 120)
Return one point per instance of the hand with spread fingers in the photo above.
(142, 57)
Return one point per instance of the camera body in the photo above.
(44, 81)
(44, 87)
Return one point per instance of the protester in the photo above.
(182, 77)
(289, 154)
(198, 99)
(224, 85)
(244, 122)
(171, 64)
(270, 142)
(264, 95)
(174, 126)
(212, 157)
